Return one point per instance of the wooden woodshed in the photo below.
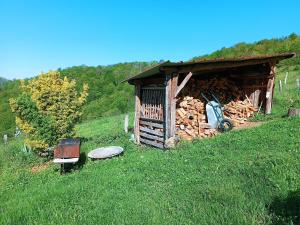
(157, 90)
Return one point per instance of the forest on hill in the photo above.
(290, 43)
(108, 96)
(2, 80)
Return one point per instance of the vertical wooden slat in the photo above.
(137, 113)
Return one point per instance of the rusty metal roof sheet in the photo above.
(240, 61)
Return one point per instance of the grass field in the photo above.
(248, 176)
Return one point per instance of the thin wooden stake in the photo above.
(286, 77)
(126, 123)
(5, 139)
(298, 83)
(280, 86)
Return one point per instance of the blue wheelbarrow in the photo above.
(215, 115)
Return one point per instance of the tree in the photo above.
(48, 109)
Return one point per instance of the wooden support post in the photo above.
(298, 83)
(270, 89)
(173, 100)
(167, 107)
(137, 113)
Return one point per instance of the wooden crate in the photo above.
(68, 148)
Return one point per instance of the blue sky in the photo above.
(39, 35)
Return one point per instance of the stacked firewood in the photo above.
(191, 120)
(239, 111)
(225, 89)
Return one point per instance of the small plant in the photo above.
(48, 109)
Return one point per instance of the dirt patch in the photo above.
(40, 167)
(248, 125)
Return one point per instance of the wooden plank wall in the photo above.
(152, 132)
(151, 121)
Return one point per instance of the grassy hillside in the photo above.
(243, 177)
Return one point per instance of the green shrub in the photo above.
(48, 109)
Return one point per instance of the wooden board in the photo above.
(158, 125)
(155, 132)
(152, 143)
(152, 137)
(183, 83)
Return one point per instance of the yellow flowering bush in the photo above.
(48, 109)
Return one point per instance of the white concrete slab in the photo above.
(105, 152)
(69, 160)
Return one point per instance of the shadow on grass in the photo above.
(83, 139)
(286, 210)
(82, 161)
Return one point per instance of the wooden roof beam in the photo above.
(212, 66)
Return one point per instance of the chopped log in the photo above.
(293, 112)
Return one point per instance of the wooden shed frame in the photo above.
(166, 80)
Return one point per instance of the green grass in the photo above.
(235, 178)
(242, 177)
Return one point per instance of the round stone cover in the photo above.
(105, 152)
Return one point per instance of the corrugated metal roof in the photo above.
(219, 61)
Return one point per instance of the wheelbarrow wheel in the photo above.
(225, 125)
